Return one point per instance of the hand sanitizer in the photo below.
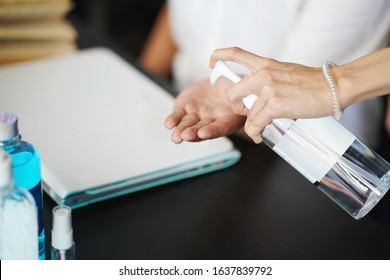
(18, 217)
(26, 167)
(327, 154)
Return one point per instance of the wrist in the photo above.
(345, 80)
(336, 107)
(364, 78)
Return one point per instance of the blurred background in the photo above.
(125, 22)
(33, 29)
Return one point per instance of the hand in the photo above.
(285, 90)
(202, 112)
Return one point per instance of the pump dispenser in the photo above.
(327, 154)
(63, 247)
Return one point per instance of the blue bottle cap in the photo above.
(8, 126)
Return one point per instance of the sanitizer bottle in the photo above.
(18, 217)
(327, 154)
(62, 245)
(26, 167)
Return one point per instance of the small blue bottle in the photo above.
(26, 167)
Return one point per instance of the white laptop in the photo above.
(97, 122)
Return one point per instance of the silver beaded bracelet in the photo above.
(337, 113)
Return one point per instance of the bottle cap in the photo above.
(5, 169)
(62, 232)
(8, 126)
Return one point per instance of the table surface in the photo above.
(260, 208)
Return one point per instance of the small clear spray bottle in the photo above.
(62, 245)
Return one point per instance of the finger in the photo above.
(174, 118)
(236, 94)
(221, 127)
(238, 107)
(187, 121)
(257, 120)
(240, 56)
(254, 134)
(190, 134)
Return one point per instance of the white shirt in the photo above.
(309, 32)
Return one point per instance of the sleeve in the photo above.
(336, 30)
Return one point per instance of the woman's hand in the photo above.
(284, 90)
(202, 112)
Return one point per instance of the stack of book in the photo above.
(33, 29)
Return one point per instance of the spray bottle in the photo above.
(63, 247)
(327, 154)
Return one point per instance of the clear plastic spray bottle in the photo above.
(327, 154)
(63, 247)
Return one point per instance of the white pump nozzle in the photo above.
(62, 232)
(221, 69)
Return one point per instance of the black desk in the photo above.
(260, 208)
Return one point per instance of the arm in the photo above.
(159, 48)
(364, 78)
(342, 31)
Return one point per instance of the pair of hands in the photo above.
(284, 90)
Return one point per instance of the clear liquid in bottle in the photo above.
(333, 159)
(327, 154)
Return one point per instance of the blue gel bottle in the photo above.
(26, 167)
